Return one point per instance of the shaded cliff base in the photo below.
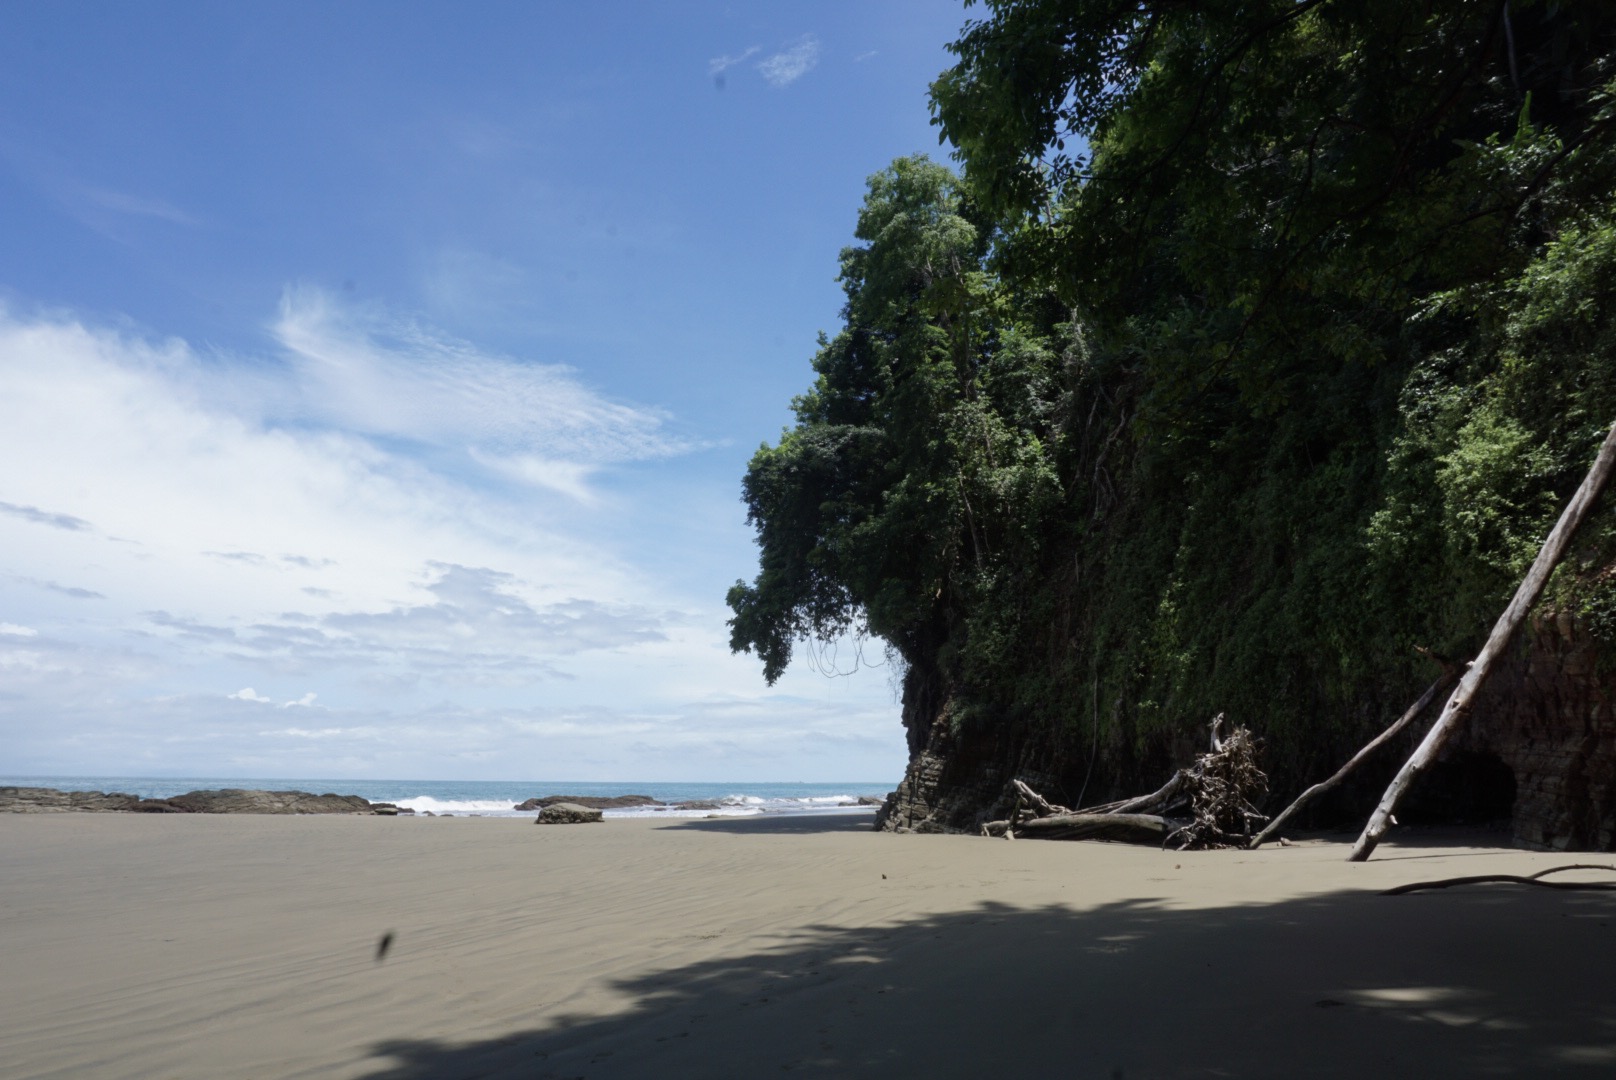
(1538, 757)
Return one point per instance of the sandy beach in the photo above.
(234, 946)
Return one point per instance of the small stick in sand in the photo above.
(1458, 706)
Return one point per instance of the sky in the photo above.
(377, 380)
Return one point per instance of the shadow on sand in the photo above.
(794, 824)
(1476, 982)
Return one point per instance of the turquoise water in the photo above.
(497, 798)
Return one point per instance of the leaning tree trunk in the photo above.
(1458, 707)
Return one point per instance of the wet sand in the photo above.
(203, 946)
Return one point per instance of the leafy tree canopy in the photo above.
(1254, 343)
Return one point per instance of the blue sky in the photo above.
(376, 380)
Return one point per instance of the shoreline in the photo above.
(217, 945)
(235, 800)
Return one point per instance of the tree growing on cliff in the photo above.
(1250, 345)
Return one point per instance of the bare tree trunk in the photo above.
(1129, 828)
(1359, 758)
(1458, 706)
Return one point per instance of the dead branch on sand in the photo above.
(1207, 805)
(1515, 879)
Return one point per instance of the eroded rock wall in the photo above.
(1547, 714)
(1544, 725)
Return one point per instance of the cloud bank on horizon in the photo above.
(378, 525)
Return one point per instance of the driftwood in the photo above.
(1211, 798)
(1458, 706)
(1129, 828)
(1514, 879)
(1171, 792)
(1359, 758)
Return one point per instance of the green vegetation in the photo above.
(1255, 344)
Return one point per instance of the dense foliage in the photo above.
(1255, 344)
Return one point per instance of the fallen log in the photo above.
(1359, 758)
(1127, 828)
(1458, 706)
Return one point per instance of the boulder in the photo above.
(596, 802)
(565, 813)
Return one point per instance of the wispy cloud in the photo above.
(45, 517)
(720, 64)
(786, 67)
(478, 629)
(365, 371)
(124, 203)
(72, 590)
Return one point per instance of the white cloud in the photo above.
(235, 530)
(304, 702)
(720, 64)
(786, 67)
(366, 372)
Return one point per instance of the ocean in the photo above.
(498, 798)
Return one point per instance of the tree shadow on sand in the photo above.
(1475, 982)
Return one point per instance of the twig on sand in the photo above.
(1515, 879)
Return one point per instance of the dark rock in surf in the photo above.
(595, 802)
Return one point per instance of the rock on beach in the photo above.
(565, 813)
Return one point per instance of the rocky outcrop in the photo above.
(597, 802)
(223, 801)
(34, 800)
(958, 773)
(566, 813)
(244, 801)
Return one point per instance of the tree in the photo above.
(1205, 386)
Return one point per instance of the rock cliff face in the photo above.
(1539, 751)
(1547, 718)
(956, 776)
